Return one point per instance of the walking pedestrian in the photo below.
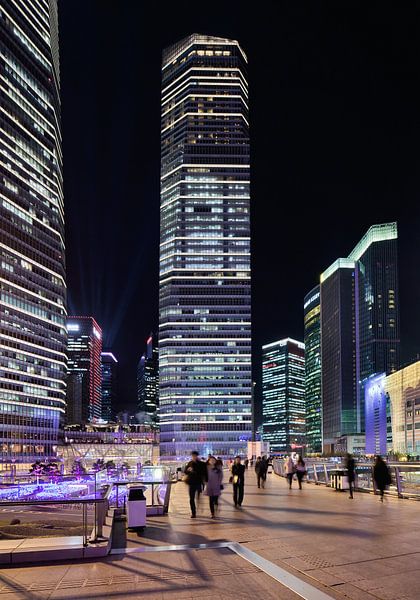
(300, 470)
(195, 475)
(264, 469)
(351, 473)
(246, 463)
(258, 468)
(238, 480)
(381, 476)
(290, 470)
(214, 483)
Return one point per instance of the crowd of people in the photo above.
(206, 476)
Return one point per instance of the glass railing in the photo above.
(405, 478)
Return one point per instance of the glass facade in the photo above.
(339, 365)
(359, 328)
(84, 385)
(148, 381)
(109, 374)
(379, 322)
(403, 390)
(205, 294)
(32, 262)
(283, 381)
(312, 328)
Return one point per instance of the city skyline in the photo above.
(333, 135)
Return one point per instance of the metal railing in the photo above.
(405, 477)
(100, 507)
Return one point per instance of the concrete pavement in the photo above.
(358, 549)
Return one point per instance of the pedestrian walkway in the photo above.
(357, 549)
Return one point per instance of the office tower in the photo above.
(32, 266)
(312, 328)
(109, 375)
(341, 412)
(359, 328)
(403, 391)
(205, 301)
(283, 381)
(148, 381)
(379, 322)
(84, 349)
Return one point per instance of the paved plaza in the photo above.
(359, 549)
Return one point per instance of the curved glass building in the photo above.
(205, 294)
(32, 268)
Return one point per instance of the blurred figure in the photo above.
(300, 470)
(246, 463)
(351, 473)
(238, 480)
(264, 469)
(290, 470)
(258, 467)
(195, 475)
(219, 462)
(214, 483)
(381, 476)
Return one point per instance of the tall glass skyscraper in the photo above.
(341, 411)
(359, 328)
(205, 294)
(283, 381)
(312, 328)
(32, 266)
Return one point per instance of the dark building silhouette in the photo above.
(148, 381)
(109, 372)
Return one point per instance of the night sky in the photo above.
(335, 138)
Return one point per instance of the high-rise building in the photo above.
(84, 390)
(376, 409)
(148, 381)
(312, 328)
(379, 320)
(205, 294)
(283, 383)
(341, 411)
(109, 374)
(32, 265)
(359, 328)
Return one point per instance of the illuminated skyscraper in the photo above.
(84, 390)
(109, 374)
(148, 380)
(359, 328)
(32, 266)
(205, 300)
(312, 326)
(283, 381)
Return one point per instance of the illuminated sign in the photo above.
(73, 327)
(311, 299)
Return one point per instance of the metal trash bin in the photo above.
(339, 480)
(136, 506)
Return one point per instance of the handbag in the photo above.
(235, 479)
(231, 479)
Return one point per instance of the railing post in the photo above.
(398, 482)
(327, 477)
(84, 522)
(315, 474)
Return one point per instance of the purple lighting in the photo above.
(375, 414)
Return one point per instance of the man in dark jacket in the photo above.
(381, 476)
(238, 480)
(196, 475)
(351, 473)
